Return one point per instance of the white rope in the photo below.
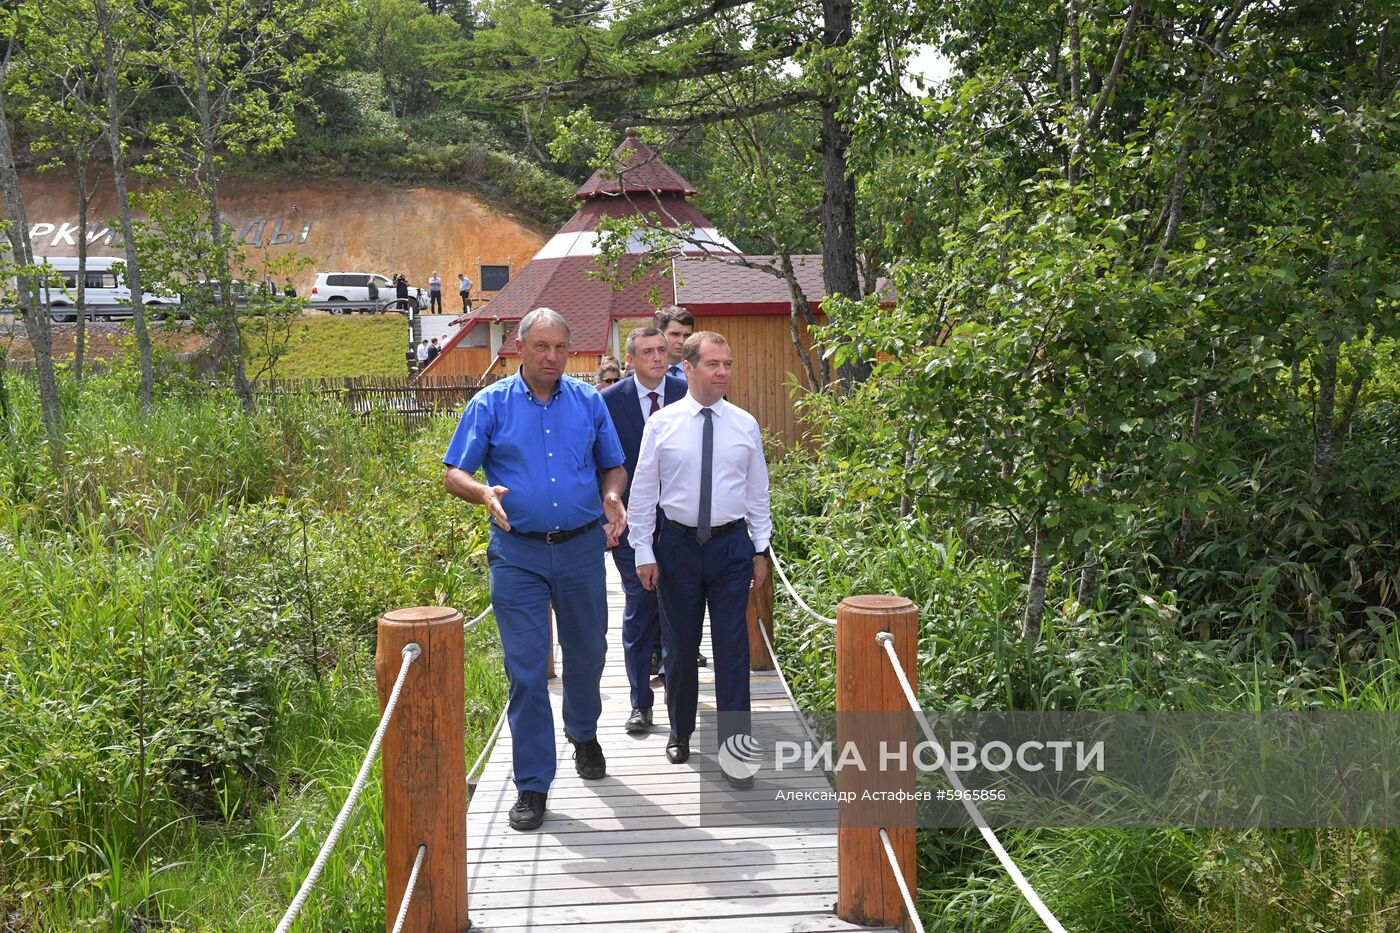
(408, 889)
(777, 565)
(886, 640)
(484, 613)
(486, 749)
(778, 668)
(410, 654)
(909, 907)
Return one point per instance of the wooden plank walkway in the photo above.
(631, 852)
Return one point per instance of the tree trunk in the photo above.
(229, 336)
(840, 263)
(111, 81)
(80, 163)
(1041, 561)
(37, 325)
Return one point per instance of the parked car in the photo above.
(105, 293)
(332, 288)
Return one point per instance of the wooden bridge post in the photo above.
(425, 768)
(871, 709)
(761, 614)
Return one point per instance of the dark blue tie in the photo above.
(707, 465)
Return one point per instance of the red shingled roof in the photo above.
(637, 168)
(708, 286)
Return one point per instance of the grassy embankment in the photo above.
(186, 642)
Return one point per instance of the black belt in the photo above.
(557, 537)
(715, 532)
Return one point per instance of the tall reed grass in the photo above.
(186, 638)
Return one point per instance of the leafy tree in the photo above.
(240, 68)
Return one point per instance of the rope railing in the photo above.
(778, 669)
(408, 889)
(886, 641)
(410, 654)
(467, 626)
(910, 908)
(486, 749)
(778, 566)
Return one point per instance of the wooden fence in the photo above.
(414, 401)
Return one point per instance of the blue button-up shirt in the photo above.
(546, 452)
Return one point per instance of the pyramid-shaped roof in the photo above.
(636, 169)
(563, 275)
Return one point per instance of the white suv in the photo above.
(336, 287)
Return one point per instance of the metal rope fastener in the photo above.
(899, 879)
(777, 565)
(410, 654)
(408, 889)
(886, 641)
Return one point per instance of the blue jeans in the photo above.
(527, 576)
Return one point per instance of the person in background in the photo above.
(435, 292)
(676, 324)
(553, 475)
(433, 350)
(464, 288)
(289, 290)
(631, 403)
(609, 372)
(269, 286)
(423, 353)
(373, 291)
(401, 293)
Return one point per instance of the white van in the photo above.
(106, 296)
(334, 288)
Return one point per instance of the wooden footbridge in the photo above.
(652, 847)
(631, 852)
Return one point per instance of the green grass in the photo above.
(352, 345)
(187, 619)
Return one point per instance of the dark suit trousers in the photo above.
(693, 577)
(641, 626)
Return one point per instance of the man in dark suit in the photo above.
(631, 402)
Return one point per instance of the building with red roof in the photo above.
(751, 307)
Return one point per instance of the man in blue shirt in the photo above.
(542, 439)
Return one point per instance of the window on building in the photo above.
(494, 278)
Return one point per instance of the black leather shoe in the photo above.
(677, 751)
(528, 812)
(656, 661)
(639, 721)
(588, 760)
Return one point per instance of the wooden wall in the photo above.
(763, 358)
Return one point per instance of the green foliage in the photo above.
(322, 348)
(186, 640)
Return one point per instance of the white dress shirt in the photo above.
(642, 392)
(668, 472)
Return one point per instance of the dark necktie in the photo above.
(675, 370)
(707, 467)
(655, 403)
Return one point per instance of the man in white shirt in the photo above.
(423, 353)
(702, 460)
(676, 324)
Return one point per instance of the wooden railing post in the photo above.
(871, 709)
(761, 614)
(425, 768)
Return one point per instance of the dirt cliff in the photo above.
(344, 225)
